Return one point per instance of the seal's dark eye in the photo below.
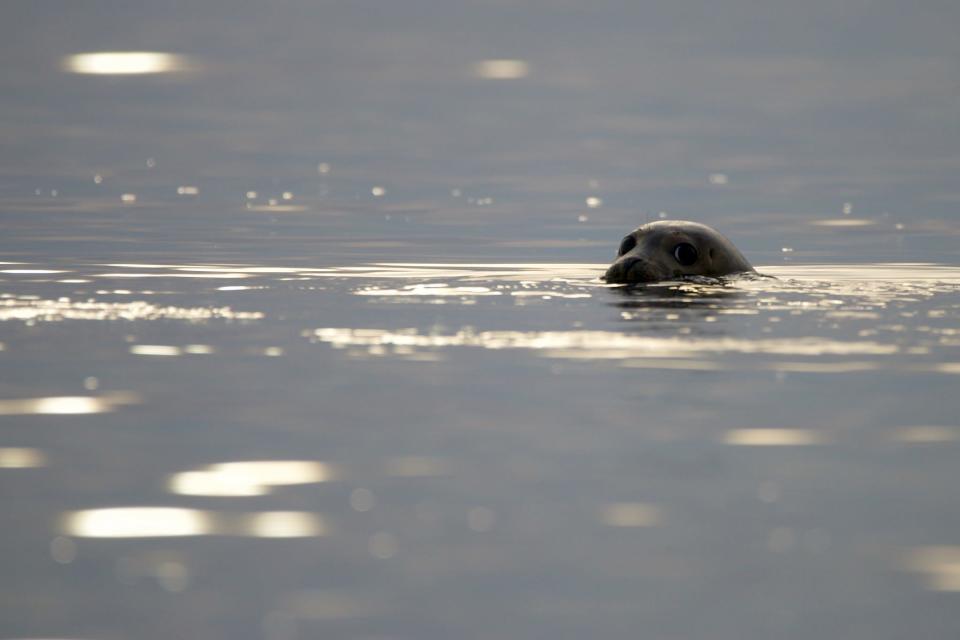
(628, 243)
(685, 253)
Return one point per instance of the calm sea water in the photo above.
(303, 337)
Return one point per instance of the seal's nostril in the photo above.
(620, 271)
(627, 263)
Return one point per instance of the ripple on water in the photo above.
(164, 522)
(854, 313)
(34, 309)
(858, 317)
(67, 405)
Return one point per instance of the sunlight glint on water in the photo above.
(124, 63)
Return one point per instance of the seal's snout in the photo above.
(629, 263)
(628, 269)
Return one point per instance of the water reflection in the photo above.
(138, 522)
(163, 522)
(21, 458)
(429, 290)
(207, 483)
(417, 467)
(249, 478)
(124, 63)
(29, 308)
(282, 524)
(594, 344)
(631, 514)
(773, 437)
(689, 325)
(154, 350)
(164, 350)
(939, 565)
(872, 278)
(31, 271)
(925, 435)
(844, 222)
(501, 69)
(67, 405)
(876, 274)
(705, 299)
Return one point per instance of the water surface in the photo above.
(303, 334)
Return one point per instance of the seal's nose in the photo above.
(619, 271)
(628, 263)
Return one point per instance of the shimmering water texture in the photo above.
(410, 431)
(862, 317)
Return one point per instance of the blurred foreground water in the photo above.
(302, 332)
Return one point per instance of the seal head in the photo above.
(671, 249)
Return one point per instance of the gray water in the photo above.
(303, 334)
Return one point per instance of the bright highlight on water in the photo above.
(124, 63)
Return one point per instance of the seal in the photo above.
(671, 249)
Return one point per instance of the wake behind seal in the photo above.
(674, 249)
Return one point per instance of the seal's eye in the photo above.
(685, 253)
(628, 243)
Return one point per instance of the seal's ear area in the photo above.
(627, 244)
